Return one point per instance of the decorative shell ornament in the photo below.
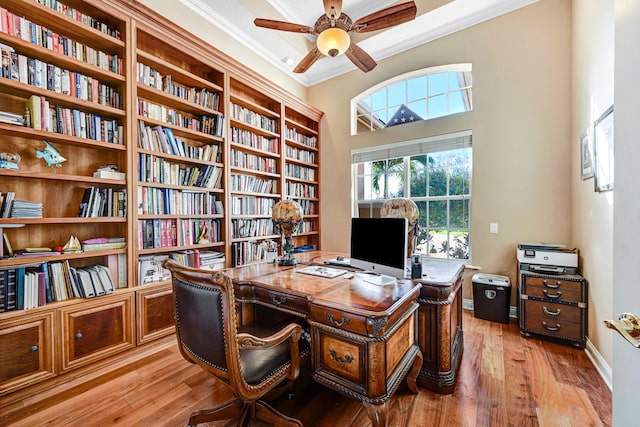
(50, 155)
(400, 208)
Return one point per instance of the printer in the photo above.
(547, 258)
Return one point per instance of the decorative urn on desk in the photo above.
(403, 208)
(287, 216)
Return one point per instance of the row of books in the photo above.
(36, 285)
(103, 202)
(38, 73)
(245, 115)
(166, 233)
(151, 268)
(253, 140)
(163, 140)
(300, 154)
(308, 207)
(211, 125)
(247, 252)
(41, 36)
(151, 77)
(294, 135)
(154, 169)
(240, 159)
(241, 228)
(297, 189)
(300, 172)
(251, 205)
(83, 18)
(10, 207)
(55, 118)
(168, 201)
(252, 184)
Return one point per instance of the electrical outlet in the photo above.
(493, 228)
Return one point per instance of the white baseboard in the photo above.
(592, 352)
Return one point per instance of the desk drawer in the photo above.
(282, 299)
(340, 356)
(340, 319)
(566, 290)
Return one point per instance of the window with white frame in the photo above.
(418, 95)
(436, 174)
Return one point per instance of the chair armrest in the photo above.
(292, 332)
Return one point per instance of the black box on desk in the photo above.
(491, 297)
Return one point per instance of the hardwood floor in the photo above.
(504, 380)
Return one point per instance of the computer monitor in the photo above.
(379, 245)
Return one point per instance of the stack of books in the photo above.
(11, 118)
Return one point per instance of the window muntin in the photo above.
(438, 182)
(424, 94)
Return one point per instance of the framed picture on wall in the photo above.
(586, 154)
(603, 151)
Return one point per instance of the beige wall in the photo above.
(197, 25)
(592, 219)
(522, 140)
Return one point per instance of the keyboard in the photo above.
(317, 270)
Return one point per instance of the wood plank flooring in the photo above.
(504, 380)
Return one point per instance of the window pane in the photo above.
(397, 94)
(417, 89)
(395, 165)
(437, 83)
(437, 245)
(437, 106)
(459, 213)
(437, 182)
(457, 103)
(395, 185)
(459, 181)
(459, 245)
(421, 240)
(419, 107)
(379, 100)
(418, 183)
(437, 213)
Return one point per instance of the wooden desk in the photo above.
(363, 336)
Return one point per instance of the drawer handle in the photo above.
(79, 335)
(552, 286)
(347, 358)
(342, 321)
(551, 328)
(552, 296)
(546, 311)
(34, 348)
(277, 299)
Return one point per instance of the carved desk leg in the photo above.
(412, 376)
(378, 414)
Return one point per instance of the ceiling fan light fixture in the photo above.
(333, 41)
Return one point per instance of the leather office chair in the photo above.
(251, 359)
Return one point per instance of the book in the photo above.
(7, 244)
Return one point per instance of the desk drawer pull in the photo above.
(553, 296)
(278, 299)
(347, 358)
(551, 328)
(546, 311)
(33, 348)
(552, 286)
(342, 321)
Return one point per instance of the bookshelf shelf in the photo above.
(61, 177)
(180, 248)
(36, 136)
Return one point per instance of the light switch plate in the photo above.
(493, 228)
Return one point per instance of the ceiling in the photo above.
(435, 19)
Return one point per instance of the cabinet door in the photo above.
(26, 355)
(156, 313)
(96, 330)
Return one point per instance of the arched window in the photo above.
(418, 95)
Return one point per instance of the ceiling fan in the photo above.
(333, 31)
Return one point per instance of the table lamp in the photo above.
(287, 216)
(403, 208)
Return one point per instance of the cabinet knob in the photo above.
(33, 348)
(79, 335)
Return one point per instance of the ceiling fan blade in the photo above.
(309, 59)
(283, 26)
(385, 18)
(360, 58)
(333, 8)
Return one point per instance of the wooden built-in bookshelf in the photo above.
(159, 105)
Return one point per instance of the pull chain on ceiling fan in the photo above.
(333, 31)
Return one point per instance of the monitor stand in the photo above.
(377, 279)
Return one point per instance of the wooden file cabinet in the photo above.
(554, 306)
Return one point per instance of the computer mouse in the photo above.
(340, 258)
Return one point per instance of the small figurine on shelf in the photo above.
(9, 161)
(73, 245)
(50, 155)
